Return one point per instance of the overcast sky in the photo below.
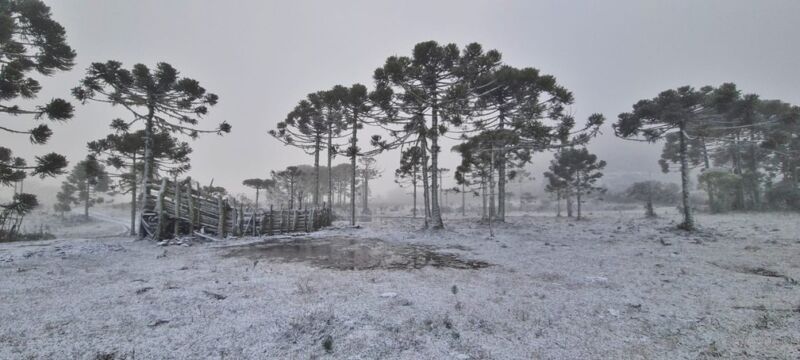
(261, 57)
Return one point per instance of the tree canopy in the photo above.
(31, 42)
(87, 181)
(159, 98)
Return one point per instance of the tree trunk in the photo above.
(365, 192)
(558, 203)
(291, 194)
(754, 184)
(501, 175)
(688, 220)
(492, 203)
(568, 194)
(177, 201)
(442, 191)
(86, 201)
(578, 193)
(648, 205)
(354, 147)
(330, 170)
(709, 187)
(300, 196)
(436, 214)
(147, 171)
(648, 209)
(737, 169)
(463, 201)
(414, 185)
(484, 216)
(426, 188)
(316, 171)
(492, 209)
(133, 196)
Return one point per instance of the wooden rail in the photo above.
(175, 208)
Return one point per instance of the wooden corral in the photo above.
(176, 208)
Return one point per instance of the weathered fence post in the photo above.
(262, 220)
(282, 220)
(221, 220)
(253, 219)
(160, 209)
(287, 213)
(241, 219)
(190, 198)
(271, 221)
(177, 200)
(235, 219)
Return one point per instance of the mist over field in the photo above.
(261, 58)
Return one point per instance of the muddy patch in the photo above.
(353, 254)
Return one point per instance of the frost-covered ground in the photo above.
(616, 286)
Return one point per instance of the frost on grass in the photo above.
(614, 286)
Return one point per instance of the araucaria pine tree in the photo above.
(30, 41)
(65, 198)
(287, 182)
(259, 184)
(517, 105)
(653, 192)
(341, 179)
(367, 172)
(672, 111)
(557, 184)
(314, 125)
(479, 164)
(518, 112)
(357, 107)
(580, 170)
(158, 98)
(124, 151)
(408, 174)
(742, 134)
(422, 96)
(88, 179)
(584, 170)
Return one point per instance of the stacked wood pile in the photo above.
(175, 208)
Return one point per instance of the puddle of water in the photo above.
(353, 254)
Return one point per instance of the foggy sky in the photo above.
(262, 57)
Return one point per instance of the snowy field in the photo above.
(615, 286)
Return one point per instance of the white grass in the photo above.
(614, 286)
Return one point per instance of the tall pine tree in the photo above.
(158, 98)
(31, 41)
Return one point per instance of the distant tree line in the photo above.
(296, 186)
(747, 148)
(501, 114)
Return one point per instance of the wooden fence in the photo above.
(176, 208)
